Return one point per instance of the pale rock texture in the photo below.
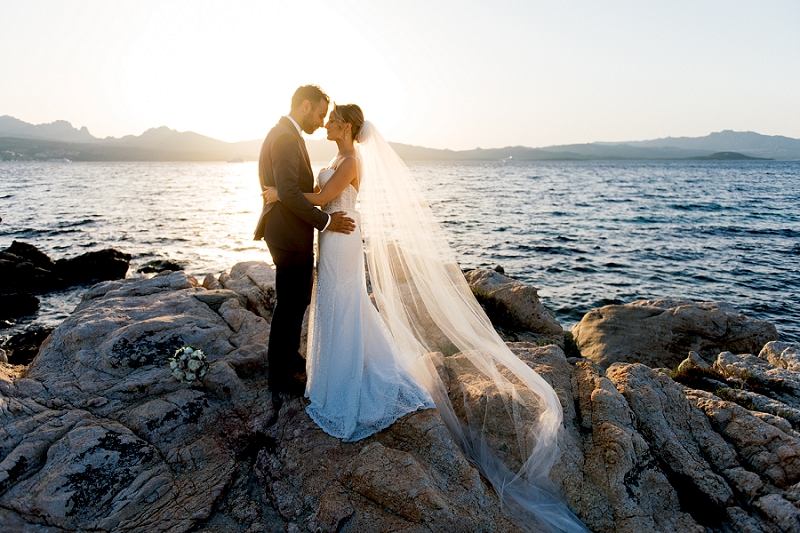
(410, 477)
(659, 333)
(607, 469)
(256, 281)
(97, 435)
(514, 308)
(782, 354)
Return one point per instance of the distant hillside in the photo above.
(60, 130)
(745, 142)
(728, 156)
(33, 149)
(22, 141)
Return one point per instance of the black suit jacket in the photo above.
(284, 163)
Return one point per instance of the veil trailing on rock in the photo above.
(485, 394)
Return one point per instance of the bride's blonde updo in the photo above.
(351, 114)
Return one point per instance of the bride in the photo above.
(431, 344)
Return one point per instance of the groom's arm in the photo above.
(286, 161)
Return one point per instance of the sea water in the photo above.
(586, 234)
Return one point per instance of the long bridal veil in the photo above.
(501, 413)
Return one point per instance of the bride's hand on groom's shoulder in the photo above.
(270, 194)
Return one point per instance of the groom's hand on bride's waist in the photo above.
(341, 223)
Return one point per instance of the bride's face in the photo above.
(336, 129)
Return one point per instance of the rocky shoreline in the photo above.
(678, 416)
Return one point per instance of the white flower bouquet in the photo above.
(188, 364)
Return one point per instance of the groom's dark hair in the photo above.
(312, 93)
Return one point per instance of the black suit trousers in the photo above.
(293, 283)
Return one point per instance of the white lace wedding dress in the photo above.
(357, 383)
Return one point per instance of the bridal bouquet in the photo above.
(188, 364)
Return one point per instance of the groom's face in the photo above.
(315, 117)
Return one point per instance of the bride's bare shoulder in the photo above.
(348, 161)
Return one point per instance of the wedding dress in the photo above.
(357, 382)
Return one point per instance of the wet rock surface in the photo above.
(160, 265)
(17, 305)
(26, 269)
(96, 435)
(21, 348)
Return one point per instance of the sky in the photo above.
(438, 73)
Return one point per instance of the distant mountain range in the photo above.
(59, 140)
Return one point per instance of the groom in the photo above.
(288, 228)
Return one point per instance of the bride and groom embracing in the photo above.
(370, 363)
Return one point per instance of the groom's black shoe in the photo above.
(296, 386)
(277, 402)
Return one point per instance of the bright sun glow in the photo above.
(250, 61)
(446, 74)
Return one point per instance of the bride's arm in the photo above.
(345, 174)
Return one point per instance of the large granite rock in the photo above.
(642, 452)
(96, 434)
(659, 333)
(514, 308)
(411, 477)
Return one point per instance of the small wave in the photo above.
(72, 224)
(618, 200)
(26, 233)
(571, 314)
(736, 230)
(703, 207)
(56, 232)
(551, 250)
